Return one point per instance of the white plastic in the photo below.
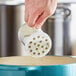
(37, 43)
(25, 31)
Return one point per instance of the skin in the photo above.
(37, 11)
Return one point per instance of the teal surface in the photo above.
(51, 70)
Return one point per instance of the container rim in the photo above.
(26, 68)
(35, 67)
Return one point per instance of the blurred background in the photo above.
(61, 27)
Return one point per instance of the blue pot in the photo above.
(67, 69)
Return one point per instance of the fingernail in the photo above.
(37, 27)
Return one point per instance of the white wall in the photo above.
(66, 1)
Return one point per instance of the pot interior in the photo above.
(29, 61)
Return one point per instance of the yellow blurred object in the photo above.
(47, 60)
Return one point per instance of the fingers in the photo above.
(53, 6)
(48, 12)
(36, 18)
(26, 16)
(32, 18)
(26, 11)
(42, 19)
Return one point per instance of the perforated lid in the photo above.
(36, 42)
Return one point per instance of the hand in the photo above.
(37, 11)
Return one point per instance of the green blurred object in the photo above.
(50, 70)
